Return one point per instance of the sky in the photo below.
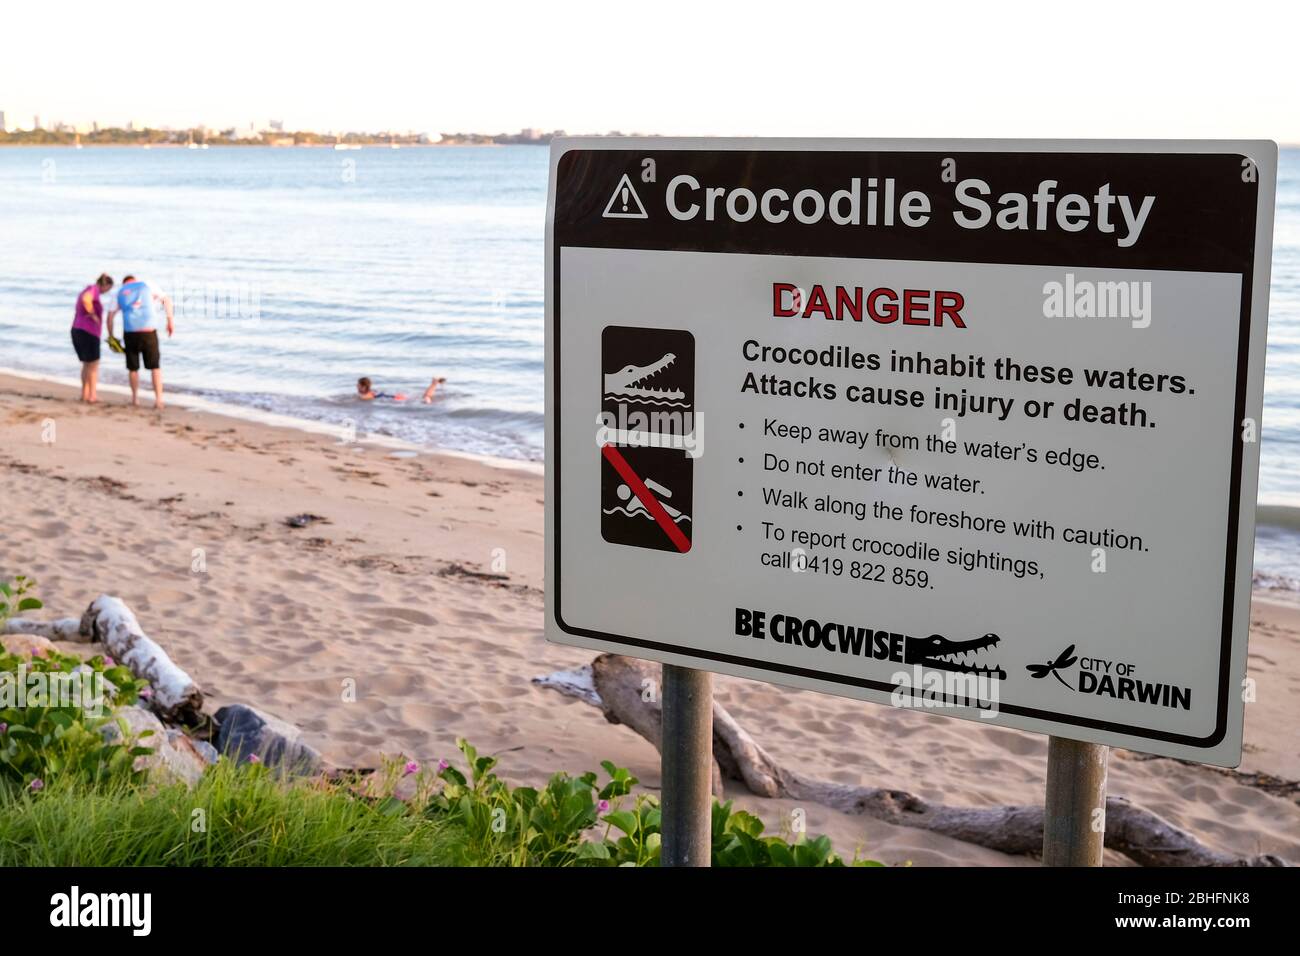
(800, 68)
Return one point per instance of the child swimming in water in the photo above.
(366, 391)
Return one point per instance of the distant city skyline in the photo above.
(250, 129)
(1104, 69)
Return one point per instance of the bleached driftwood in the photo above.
(64, 629)
(109, 621)
(572, 684)
(1136, 833)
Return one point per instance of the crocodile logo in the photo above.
(632, 381)
(939, 653)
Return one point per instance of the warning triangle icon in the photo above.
(624, 203)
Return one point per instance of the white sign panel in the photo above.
(967, 427)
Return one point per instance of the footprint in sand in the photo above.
(408, 614)
(166, 596)
(426, 715)
(394, 684)
(291, 574)
(1019, 744)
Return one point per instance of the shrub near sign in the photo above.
(977, 411)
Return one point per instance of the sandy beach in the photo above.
(182, 515)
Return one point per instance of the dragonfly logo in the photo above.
(1053, 668)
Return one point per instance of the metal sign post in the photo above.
(687, 763)
(1074, 824)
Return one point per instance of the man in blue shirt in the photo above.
(135, 300)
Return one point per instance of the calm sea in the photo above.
(298, 270)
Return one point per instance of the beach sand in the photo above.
(379, 592)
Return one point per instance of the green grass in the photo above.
(250, 817)
(68, 797)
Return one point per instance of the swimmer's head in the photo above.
(363, 385)
(624, 492)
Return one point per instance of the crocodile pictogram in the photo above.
(630, 380)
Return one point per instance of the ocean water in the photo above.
(295, 271)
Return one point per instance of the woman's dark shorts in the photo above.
(86, 344)
(141, 343)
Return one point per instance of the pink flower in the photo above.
(3, 727)
(603, 806)
(411, 767)
(146, 692)
(40, 652)
(108, 661)
(254, 758)
(37, 785)
(442, 765)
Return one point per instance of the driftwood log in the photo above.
(175, 695)
(64, 629)
(618, 685)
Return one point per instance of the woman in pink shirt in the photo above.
(87, 327)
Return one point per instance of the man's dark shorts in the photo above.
(138, 344)
(86, 344)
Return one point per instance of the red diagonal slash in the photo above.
(652, 504)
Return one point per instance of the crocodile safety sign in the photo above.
(967, 427)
